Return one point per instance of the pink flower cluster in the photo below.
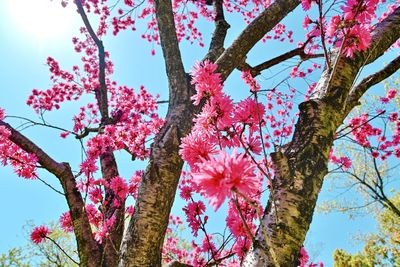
(185, 16)
(362, 129)
(39, 234)
(248, 9)
(207, 82)
(217, 177)
(342, 162)
(306, 4)
(250, 81)
(354, 26)
(24, 164)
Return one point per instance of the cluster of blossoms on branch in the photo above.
(24, 164)
(351, 30)
(228, 150)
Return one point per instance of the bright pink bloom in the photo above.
(66, 222)
(306, 4)
(196, 147)
(234, 221)
(358, 39)
(375, 154)
(218, 176)
(134, 183)
(88, 167)
(39, 234)
(64, 134)
(206, 81)
(343, 162)
(249, 111)
(193, 211)
(391, 93)
(304, 260)
(306, 22)
(250, 81)
(361, 11)
(120, 187)
(333, 25)
(96, 195)
(393, 116)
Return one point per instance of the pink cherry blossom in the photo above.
(206, 81)
(196, 147)
(39, 234)
(391, 93)
(120, 187)
(66, 222)
(193, 210)
(217, 177)
(306, 4)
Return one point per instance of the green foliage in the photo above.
(381, 249)
(14, 258)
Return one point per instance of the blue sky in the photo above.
(24, 48)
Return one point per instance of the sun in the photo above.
(41, 19)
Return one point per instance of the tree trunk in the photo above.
(301, 165)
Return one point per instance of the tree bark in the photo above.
(301, 165)
(145, 234)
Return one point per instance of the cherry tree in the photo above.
(238, 152)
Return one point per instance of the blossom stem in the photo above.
(63, 251)
(246, 226)
(264, 232)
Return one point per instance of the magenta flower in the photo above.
(217, 177)
(195, 147)
(39, 234)
(66, 222)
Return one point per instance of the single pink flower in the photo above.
(217, 177)
(39, 234)
(195, 147)
(391, 93)
(66, 222)
(306, 4)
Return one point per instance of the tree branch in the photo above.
(101, 92)
(177, 78)
(298, 184)
(108, 163)
(145, 235)
(235, 54)
(87, 247)
(219, 35)
(370, 81)
(255, 71)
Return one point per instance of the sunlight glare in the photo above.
(42, 19)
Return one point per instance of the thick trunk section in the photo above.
(302, 164)
(145, 234)
(300, 170)
(146, 230)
